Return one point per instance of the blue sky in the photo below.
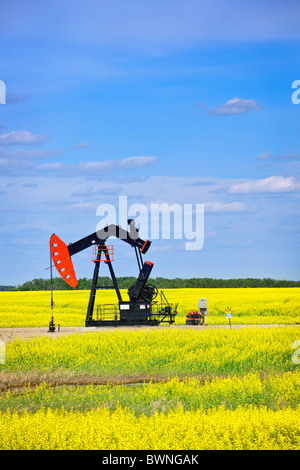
(161, 101)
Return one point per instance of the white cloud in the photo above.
(235, 106)
(91, 168)
(124, 164)
(264, 155)
(22, 137)
(267, 155)
(83, 145)
(273, 184)
(216, 206)
(132, 162)
(52, 166)
(10, 165)
(89, 205)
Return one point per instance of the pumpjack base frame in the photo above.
(121, 323)
(133, 314)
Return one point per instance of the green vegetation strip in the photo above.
(275, 392)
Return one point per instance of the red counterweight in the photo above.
(62, 260)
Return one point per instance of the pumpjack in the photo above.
(146, 305)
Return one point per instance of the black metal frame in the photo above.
(89, 315)
(99, 238)
(140, 309)
(154, 314)
(136, 311)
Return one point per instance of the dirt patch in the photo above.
(10, 334)
(31, 379)
(9, 381)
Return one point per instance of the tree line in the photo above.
(160, 282)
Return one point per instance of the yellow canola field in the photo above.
(155, 352)
(243, 428)
(258, 408)
(248, 306)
